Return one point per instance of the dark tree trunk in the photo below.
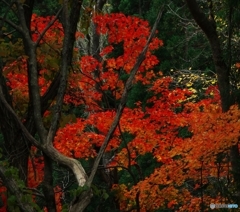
(208, 25)
(47, 185)
(16, 146)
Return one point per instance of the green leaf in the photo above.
(11, 200)
(105, 195)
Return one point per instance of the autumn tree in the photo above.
(32, 83)
(223, 67)
(72, 109)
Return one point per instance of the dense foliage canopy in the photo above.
(100, 113)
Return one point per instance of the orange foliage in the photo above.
(155, 129)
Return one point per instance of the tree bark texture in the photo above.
(208, 26)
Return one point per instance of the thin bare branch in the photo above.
(48, 26)
(18, 28)
(123, 100)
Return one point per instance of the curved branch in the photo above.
(49, 150)
(207, 25)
